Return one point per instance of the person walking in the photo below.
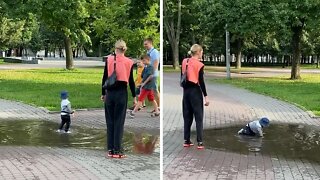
(194, 90)
(115, 97)
(155, 58)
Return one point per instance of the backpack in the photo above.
(184, 76)
(111, 81)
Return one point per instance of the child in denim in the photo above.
(138, 81)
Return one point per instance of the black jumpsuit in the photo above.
(115, 110)
(192, 106)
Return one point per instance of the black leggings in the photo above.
(192, 106)
(65, 119)
(115, 110)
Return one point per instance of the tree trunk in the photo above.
(46, 52)
(9, 53)
(175, 50)
(68, 49)
(238, 53)
(77, 52)
(318, 62)
(54, 51)
(296, 44)
(193, 37)
(20, 53)
(86, 51)
(173, 32)
(60, 52)
(100, 50)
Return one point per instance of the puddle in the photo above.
(288, 141)
(42, 133)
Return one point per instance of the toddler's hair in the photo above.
(64, 95)
(145, 56)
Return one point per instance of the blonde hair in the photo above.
(195, 49)
(121, 45)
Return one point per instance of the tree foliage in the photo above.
(286, 29)
(72, 24)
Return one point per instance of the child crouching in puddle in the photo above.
(255, 128)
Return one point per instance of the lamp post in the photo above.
(228, 52)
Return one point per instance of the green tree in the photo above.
(172, 25)
(68, 17)
(297, 16)
(11, 32)
(115, 21)
(245, 19)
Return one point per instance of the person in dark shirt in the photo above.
(116, 97)
(194, 91)
(147, 86)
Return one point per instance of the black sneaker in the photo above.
(200, 145)
(187, 144)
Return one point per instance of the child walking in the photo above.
(138, 81)
(146, 88)
(254, 128)
(65, 112)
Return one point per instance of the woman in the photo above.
(193, 92)
(116, 97)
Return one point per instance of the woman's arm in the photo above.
(104, 78)
(201, 82)
(131, 83)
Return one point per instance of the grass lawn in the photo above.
(304, 93)
(42, 87)
(1, 61)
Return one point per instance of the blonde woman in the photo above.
(116, 97)
(194, 91)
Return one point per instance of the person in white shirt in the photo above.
(65, 112)
(254, 128)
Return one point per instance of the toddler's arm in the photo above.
(260, 132)
(70, 109)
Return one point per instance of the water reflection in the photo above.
(144, 143)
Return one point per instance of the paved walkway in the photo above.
(52, 64)
(26, 162)
(229, 106)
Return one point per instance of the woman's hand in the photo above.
(103, 98)
(206, 100)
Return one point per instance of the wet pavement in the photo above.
(234, 107)
(31, 149)
(290, 141)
